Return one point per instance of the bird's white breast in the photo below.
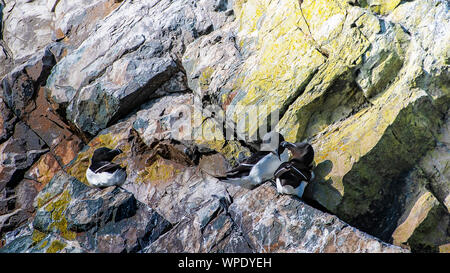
(266, 167)
(288, 189)
(105, 179)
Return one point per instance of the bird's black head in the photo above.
(105, 154)
(301, 151)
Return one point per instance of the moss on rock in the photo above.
(56, 246)
(57, 209)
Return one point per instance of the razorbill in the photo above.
(261, 166)
(102, 172)
(293, 176)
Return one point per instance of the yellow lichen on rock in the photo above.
(161, 171)
(55, 246)
(286, 54)
(79, 167)
(43, 245)
(416, 216)
(346, 142)
(444, 248)
(37, 236)
(382, 7)
(59, 222)
(210, 134)
(354, 126)
(205, 78)
(42, 200)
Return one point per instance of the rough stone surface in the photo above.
(127, 69)
(198, 205)
(370, 93)
(27, 27)
(260, 221)
(20, 86)
(74, 22)
(186, 88)
(72, 217)
(17, 154)
(7, 121)
(35, 141)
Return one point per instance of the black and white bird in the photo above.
(102, 172)
(293, 176)
(261, 166)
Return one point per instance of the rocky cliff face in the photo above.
(185, 87)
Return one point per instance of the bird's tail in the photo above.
(245, 182)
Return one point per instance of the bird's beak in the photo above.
(290, 146)
(278, 153)
(116, 152)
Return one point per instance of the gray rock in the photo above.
(382, 63)
(133, 52)
(258, 221)
(88, 212)
(72, 217)
(27, 27)
(7, 121)
(211, 63)
(18, 153)
(18, 245)
(364, 83)
(20, 86)
(75, 21)
(43, 220)
(5, 60)
(166, 118)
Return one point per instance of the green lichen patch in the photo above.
(43, 245)
(208, 133)
(205, 78)
(160, 171)
(57, 209)
(382, 7)
(56, 246)
(37, 236)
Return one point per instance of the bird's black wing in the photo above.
(247, 164)
(286, 176)
(105, 166)
(295, 168)
(282, 169)
(300, 170)
(254, 158)
(243, 167)
(300, 173)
